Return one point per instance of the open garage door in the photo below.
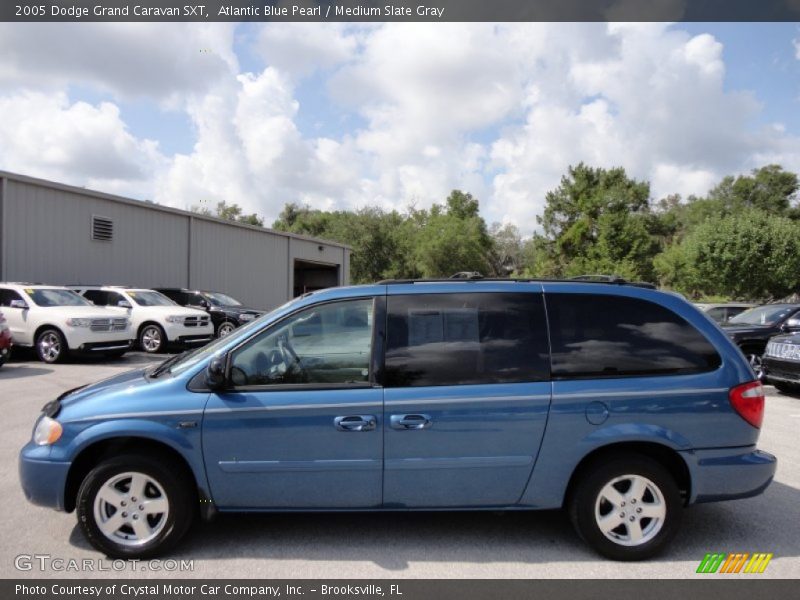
(310, 276)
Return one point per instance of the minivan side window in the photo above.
(324, 344)
(596, 335)
(470, 338)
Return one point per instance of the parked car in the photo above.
(5, 340)
(752, 329)
(226, 312)
(157, 320)
(56, 321)
(619, 403)
(723, 312)
(782, 362)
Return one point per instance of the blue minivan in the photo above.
(618, 403)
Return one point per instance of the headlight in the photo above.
(246, 317)
(79, 322)
(48, 431)
(175, 319)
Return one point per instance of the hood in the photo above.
(789, 338)
(170, 310)
(737, 328)
(126, 393)
(238, 310)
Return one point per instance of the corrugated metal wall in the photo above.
(46, 235)
(230, 258)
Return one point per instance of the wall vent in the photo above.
(102, 229)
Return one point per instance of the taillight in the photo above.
(747, 399)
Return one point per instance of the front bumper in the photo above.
(43, 481)
(782, 370)
(84, 339)
(181, 334)
(729, 473)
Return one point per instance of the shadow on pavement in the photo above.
(392, 540)
(13, 370)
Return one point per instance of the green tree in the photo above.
(231, 212)
(597, 221)
(748, 255)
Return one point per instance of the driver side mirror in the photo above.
(215, 373)
(792, 324)
(124, 304)
(18, 304)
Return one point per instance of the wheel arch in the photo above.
(43, 327)
(668, 457)
(97, 451)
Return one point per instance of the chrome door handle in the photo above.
(355, 423)
(410, 421)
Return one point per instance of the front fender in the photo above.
(186, 442)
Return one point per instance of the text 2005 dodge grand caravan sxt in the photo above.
(618, 403)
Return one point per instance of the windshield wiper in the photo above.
(164, 366)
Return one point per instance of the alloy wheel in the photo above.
(151, 339)
(50, 346)
(630, 510)
(131, 509)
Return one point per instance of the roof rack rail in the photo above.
(599, 279)
(467, 275)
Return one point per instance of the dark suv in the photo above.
(226, 313)
(782, 361)
(752, 329)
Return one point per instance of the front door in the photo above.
(467, 395)
(301, 425)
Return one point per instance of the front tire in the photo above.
(626, 507)
(152, 338)
(225, 329)
(134, 506)
(51, 346)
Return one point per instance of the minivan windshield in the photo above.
(190, 359)
(762, 315)
(47, 297)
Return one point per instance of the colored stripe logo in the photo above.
(736, 562)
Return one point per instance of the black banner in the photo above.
(734, 588)
(400, 10)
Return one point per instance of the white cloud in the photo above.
(500, 110)
(132, 60)
(301, 48)
(46, 135)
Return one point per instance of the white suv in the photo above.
(157, 321)
(55, 320)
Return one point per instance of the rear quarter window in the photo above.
(596, 335)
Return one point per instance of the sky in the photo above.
(343, 116)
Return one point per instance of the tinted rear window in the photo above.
(453, 339)
(612, 336)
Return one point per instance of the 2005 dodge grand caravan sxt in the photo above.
(619, 403)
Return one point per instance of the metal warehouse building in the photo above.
(60, 234)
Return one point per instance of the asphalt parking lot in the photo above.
(393, 545)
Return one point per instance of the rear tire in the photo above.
(136, 506)
(51, 347)
(626, 507)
